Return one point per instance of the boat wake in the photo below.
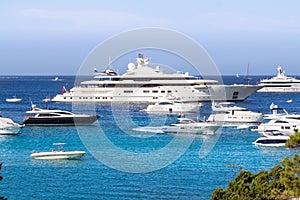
(149, 129)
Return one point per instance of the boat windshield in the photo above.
(48, 115)
(64, 113)
(271, 141)
(165, 103)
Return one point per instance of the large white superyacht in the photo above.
(280, 83)
(143, 83)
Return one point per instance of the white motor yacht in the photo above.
(58, 154)
(286, 126)
(280, 83)
(281, 113)
(57, 117)
(8, 127)
(280, 120)
(272, 141)
(144, 84)
(227, 112)
(173, 106)
(186, 125)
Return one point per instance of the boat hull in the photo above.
(13, 100)
(232, 92)
(273, 141)
(287, 89)
(70, 121)
(186, 108)
(10, 130)
(270, 145)
(58, 155)
(186, 94)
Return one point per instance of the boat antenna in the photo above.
(109, 62)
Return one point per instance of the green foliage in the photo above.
(294, 141)
(281, 182)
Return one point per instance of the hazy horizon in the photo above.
(54, 38)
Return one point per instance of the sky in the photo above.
(53, 37)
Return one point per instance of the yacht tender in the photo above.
(58, 154)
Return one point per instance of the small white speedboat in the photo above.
(58, 154)
(272, 141)
(14, 99)
(8, 127)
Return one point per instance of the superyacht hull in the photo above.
(153, 95)
(232, 92)
(142, 83)
(280, 83)
(274, 88)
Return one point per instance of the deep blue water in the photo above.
(188, 177)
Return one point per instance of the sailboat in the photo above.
(246, 77)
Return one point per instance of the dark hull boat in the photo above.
(49, 117)
(71, 121)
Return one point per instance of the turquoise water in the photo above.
(189, 177)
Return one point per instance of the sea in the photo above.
(127, 154)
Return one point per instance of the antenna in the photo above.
(109, 62)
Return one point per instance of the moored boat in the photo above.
(173, 106)
(58, 154)
(57, 117)
(280, 83)
(8, 127)
(272, 141)
(229, 113)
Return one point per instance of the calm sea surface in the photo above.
(188, 177)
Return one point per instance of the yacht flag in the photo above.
(63, 90)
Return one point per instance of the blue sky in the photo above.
(54, 37)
